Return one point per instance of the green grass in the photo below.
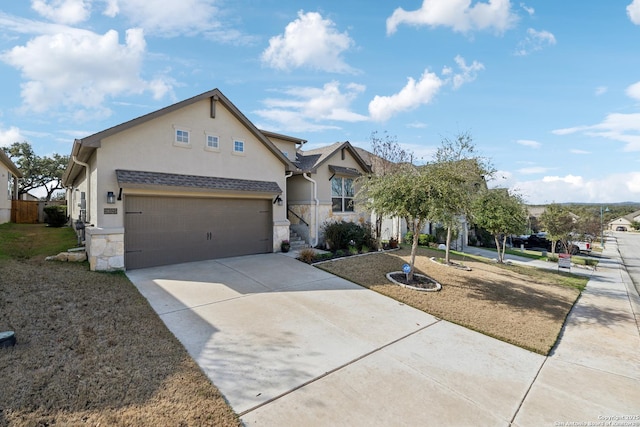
(21, 241)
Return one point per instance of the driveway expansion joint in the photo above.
(338, 368)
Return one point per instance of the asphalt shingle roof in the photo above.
(142, 178)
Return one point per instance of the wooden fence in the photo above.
(24, 211)
(31, 211)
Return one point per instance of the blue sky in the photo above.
(549, 90)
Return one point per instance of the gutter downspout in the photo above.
(317, 204)
(88, 179)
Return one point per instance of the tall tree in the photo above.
(501, 214)
(38, 172)
(558, 223)
(463, 172)
(387, 157)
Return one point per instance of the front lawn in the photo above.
(520, 305)
(90, 350)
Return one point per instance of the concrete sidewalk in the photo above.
(289, 344)
(594, 371)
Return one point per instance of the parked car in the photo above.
(621, 228)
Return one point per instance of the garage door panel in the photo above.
(166, 230)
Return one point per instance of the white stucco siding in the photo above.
(151, 147)
(5, 201)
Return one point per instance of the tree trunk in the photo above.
(504, 246)
(446, 251)
(417, 226)
(497, 240)
(378, 231)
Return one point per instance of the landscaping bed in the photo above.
(520, 305)
(90, 350)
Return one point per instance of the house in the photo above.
(324, 189)
(195, 180)
(9, 175)
(624, 221)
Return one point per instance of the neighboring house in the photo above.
(192, 181)
(324, 189)
(9, 175)
(624, 221)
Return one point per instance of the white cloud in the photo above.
(616, 126)
(417, 125)
(601, 90)
(63, 11)
(468, 74)
(414, 94)
(633, 10)
(457, 14)
(411, 96)
(561, 189)
(10, 135)
(112, 8)
(529, 143)
(309, 41)
(306, 106)
(531, 11)
(633, 91)
(79, 69)
(577, 151)
(168, 18)
(535, 41)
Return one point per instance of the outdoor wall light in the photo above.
(278, 200)
(111, 198)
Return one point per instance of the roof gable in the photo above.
(310, 161)
(84, 148)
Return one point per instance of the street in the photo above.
(629, 246)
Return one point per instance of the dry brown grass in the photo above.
(523, 306)
(92, 351)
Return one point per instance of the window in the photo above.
(182, 136)
(213, 142)
(342, 194)
(238, 146)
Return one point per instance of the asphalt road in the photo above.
(629, 247)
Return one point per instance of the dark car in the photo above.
(621, 228)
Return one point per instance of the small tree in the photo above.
(558, 223)
(501, 214)
(387, 157)
(463, 174)
(407, 192)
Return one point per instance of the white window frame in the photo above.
(178, 141)
(239, 143)
(206, 142)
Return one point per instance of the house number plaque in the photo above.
(110, 211)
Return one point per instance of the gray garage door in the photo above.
(170, 230)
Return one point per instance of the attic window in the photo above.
(238, 146)
(182, 136)
(213, 142)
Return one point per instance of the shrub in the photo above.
(341, 234)
(307, 255)
(425, 239)
(408, 238)
(56, 216)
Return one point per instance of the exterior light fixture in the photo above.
(278, 200)
(111, 198)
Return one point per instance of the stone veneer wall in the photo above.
(280, 233)
(105, 248)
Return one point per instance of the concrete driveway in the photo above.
(284, 341)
